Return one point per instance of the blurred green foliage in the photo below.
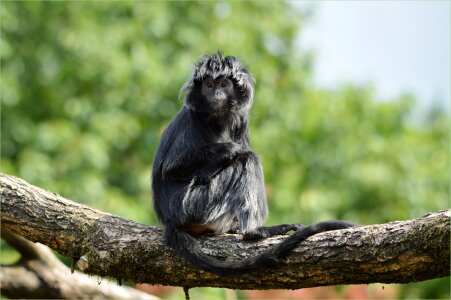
(88, 87)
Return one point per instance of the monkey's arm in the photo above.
(185, 163)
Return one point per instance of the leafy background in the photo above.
(88, 87)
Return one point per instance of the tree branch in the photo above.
(107, 245)
(41, 275)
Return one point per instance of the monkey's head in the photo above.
(219, 85)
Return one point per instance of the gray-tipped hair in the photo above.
(214, 66)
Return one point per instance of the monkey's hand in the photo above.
(224, 152)
(201, 180)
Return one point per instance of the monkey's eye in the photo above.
(209, 84)
(224, 83)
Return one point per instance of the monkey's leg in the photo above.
(212, 205)
(252, 207)
(233, 198)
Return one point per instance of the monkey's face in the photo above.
(215, 96)
(218, 92)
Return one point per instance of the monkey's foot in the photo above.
(265, 232)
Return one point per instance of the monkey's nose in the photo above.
(220, 95)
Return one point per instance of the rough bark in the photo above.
(107, 245)
(41, 275)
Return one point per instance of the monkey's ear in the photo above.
(182, 94)
(187, 86)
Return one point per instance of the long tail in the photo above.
(188, 247)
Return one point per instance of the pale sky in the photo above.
(400, 46)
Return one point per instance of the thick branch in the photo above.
(108, 245)
(40, 275)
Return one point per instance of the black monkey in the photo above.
(205, 177)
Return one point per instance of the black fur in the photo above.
(206, 178)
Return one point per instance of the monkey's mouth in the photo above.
(217, 103)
